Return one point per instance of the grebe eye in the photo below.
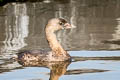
(61, 23)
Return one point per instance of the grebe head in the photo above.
(58, 23)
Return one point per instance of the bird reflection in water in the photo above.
(57, 69)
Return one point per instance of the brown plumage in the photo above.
(57, 53)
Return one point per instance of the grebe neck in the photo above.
(53, 42)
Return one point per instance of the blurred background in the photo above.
(97, 22)
(96, 35)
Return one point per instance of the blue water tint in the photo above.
(26, 74)
(94, 53)
(93, 76)
(112, 67)
(112, 73)
(97, 64)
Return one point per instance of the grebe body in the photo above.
(57, 52)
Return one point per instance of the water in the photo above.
(94, 44)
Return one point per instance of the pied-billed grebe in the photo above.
(57, 53)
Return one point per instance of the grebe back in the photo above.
(57, 52)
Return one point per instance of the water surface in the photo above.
(94, 44)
